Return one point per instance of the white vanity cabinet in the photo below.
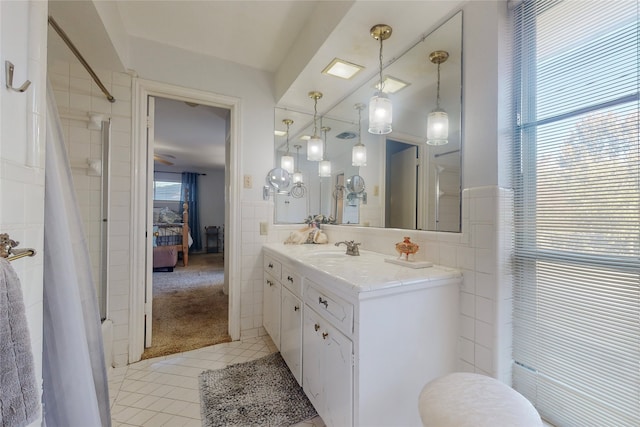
(291, 333)
(271, 307)
(327, 369)
(282, 312)
(373, 333)
(271, 299)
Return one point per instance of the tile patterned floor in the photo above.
(164, 391)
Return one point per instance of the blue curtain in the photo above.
(190, 188)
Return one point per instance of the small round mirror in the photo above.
(355, 184)
(278, 178)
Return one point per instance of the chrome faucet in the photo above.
(352, 247)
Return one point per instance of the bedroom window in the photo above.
(576, 343)
(166, 191)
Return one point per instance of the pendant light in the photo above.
(297, 175)
(359, 151)
(380, 110)
(438, 120)
(315, 144)
(324, 167)
(286, 161)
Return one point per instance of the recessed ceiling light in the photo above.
(305, 137)
(342, 69)
(279, 132)
(392, 85)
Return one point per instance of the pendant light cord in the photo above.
(287, 138)
(380, 58)
(315, 113)
(359, 126)
(438, 89)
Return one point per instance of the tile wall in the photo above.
(22, 148)
(76, 96)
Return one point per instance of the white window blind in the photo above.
(577, 210)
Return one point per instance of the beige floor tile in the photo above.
(165, 392)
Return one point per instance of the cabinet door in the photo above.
(327, 370)
(337, 375)
(271, 308)
(312, 349)
(291, 333)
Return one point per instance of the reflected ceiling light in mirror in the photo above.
(286, 161)
(324, 167)
(343, 69)
(315, 145)
(359, 151)
(391, 85)
(297, 175)
(438, 120)
(380, 109)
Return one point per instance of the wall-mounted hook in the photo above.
(8, 66)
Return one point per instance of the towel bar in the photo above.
(7, 251)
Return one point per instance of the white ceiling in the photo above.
(293, 39)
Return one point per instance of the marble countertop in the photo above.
(368, 272)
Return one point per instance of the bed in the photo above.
(171, 236)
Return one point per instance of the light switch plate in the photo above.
(248, 181)
(264, 228)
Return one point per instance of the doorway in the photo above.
(141, 303)
(402, 165)
(189, 308)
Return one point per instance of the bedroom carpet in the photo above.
(190, 310)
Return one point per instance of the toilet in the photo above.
(463, 399)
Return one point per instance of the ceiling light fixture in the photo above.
(324, 167)
(297, 175)
(286, 161)
(391, 85)
(315, 145)
(380, 110)
(438, 120)
(359, 151)
(343, 69)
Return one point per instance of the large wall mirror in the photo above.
(406, 182)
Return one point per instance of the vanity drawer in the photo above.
(273, 267)
(333, 308)
(292, 280)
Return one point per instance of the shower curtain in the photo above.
(75, 389)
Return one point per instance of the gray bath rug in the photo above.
(262, 392)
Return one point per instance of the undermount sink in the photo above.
(328, 254)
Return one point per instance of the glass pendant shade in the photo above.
(437, 127)
(286, 163)
(359, 155)
(324, 169)
(380, 114)
(315, 149)
(297, 177)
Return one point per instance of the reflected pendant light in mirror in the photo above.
(380, 109)
(359, 151)
(438, 120)
(286, 161)
(297, 175)
(315, 145)
(324, 167)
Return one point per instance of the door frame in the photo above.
(139, 178)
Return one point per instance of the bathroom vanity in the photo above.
(362, 336)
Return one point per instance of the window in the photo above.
(166, 190)
(577, 211)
